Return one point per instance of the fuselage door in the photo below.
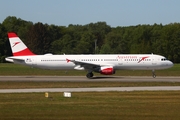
(34, 62)
(31, 61)
(154, 60)
(120, 61)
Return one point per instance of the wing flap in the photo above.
(85, 65)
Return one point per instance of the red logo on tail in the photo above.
(15, 44)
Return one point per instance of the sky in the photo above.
(113, 12)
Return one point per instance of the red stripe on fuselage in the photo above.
(24, 52)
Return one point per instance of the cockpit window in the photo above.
(163, 59)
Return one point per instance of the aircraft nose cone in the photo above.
(170, 64)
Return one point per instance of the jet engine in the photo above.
(107, 70)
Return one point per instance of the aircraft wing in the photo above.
(85, 65)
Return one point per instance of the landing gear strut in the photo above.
(89, 75)
(153, 74)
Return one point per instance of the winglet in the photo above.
(17, 46)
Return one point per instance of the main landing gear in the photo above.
(89, 75)
(153, 74)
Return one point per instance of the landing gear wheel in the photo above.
(153, 74)
(89, 75)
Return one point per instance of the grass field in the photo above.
(14, 69)
(92, 106)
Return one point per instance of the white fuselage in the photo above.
(117, 61)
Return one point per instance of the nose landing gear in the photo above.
(153, 74)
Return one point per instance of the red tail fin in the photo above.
(17, 46)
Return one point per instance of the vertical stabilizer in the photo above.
(17, 46)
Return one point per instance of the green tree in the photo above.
(64, 45)
(99, 31)
(4, 44)
(85, 45)
(38, 38)
(17, 25)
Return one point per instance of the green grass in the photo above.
(142, 105)
(14, 69)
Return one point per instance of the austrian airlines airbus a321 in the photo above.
(105, 64)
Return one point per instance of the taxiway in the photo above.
(95, 79)
(99, 89)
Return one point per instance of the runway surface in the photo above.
(95, 79)
(100, 89)
(84, 79)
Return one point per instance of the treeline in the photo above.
(82, 39)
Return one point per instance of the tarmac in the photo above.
(95, 79)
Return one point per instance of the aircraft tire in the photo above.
(154, 75)
(89, 75)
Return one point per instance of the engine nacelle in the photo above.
(107, 70)
(78, 67)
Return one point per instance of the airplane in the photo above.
(106, 64)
